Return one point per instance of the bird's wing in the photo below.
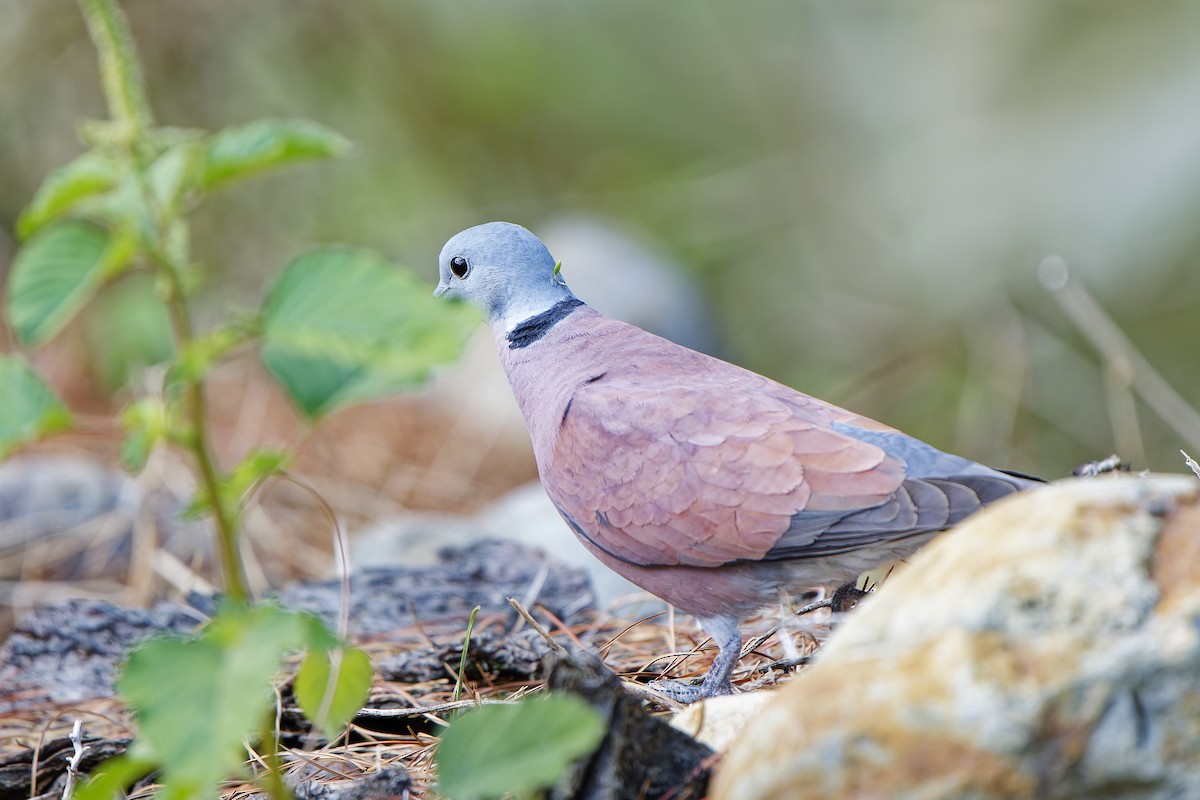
(699, 473)
(938, 491)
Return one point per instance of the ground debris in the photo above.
(388, 599)
(50, 763)
(387, 783)
(495, 653)
(417, 651)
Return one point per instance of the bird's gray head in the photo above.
(502, 268)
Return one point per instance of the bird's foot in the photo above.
(686, 692)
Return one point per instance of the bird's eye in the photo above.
(459, 266)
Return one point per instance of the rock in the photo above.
(385, 783)
(504, 656)
(717, 721)
(640, 757)
(1048, 647)
(487, 573)
(70, 652)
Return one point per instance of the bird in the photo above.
(706, 484)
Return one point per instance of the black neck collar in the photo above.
(529, 331)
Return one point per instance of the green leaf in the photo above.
(257, 465)
(57, 271)
(28, 408)
(245, 150)
(127, 329)
(90, 174)
(347, 691)
(254, 468)
(515, 749)
(173, 175)
(343, 325)
(199, 355)
(121, 208)
(219, 682)
(113, 777)
(146, 424)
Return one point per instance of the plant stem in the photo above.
(125, 91)
(273, 782)
(124, 86)
(462, 661)
(224, 517)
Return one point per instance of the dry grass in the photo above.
(402, 719)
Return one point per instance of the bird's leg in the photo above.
(718, 680)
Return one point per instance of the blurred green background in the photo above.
(862, 190)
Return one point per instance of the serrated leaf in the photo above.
(343, 325)
(347, 691)
(28, 408)
(90, 174)
(57, 271)
(245, 150)
(219, 682)
(515, 749)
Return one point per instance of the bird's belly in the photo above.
(699, 591)
(739, 590)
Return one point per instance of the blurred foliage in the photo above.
(28, 408)
(867, 188)
(516, 750)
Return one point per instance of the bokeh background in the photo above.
(862, 192)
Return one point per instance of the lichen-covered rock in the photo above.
(1049, 647)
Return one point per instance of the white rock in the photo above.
(1047, 647)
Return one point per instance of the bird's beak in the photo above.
(441, 289)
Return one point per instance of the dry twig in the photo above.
(73, 760)
(1192, 465)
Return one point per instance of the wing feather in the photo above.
(690, 475)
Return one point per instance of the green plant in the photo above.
(516, 749)
(339, 325)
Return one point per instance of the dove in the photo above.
(708, 485)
